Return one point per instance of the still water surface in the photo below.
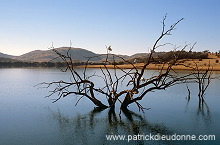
(27, 118)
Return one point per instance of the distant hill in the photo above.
(77, 54)
(5, 59)
(5, 55)
(138, 55)
(144, 55)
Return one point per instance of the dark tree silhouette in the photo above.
(137, 86)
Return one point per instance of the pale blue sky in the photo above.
(129, 26)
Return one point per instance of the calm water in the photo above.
(27, 118)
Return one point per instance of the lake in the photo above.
(28, 118)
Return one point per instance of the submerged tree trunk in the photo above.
(99, 104)
(126, 101)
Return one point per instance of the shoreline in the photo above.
(212, 60)
(150, 67)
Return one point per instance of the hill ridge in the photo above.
(77, 54)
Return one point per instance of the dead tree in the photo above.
(137, 86)
(203, 77)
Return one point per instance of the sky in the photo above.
(129, 26)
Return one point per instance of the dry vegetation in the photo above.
(212, 60)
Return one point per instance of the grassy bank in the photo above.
(213, 60)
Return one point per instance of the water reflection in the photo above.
(202, 113)
(92, 128)
(25, 118)
(203, 110)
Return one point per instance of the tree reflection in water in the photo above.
(92, 128)
(202, 114)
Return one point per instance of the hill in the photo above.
(5, 55)
(77, 54)
(5, 59)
